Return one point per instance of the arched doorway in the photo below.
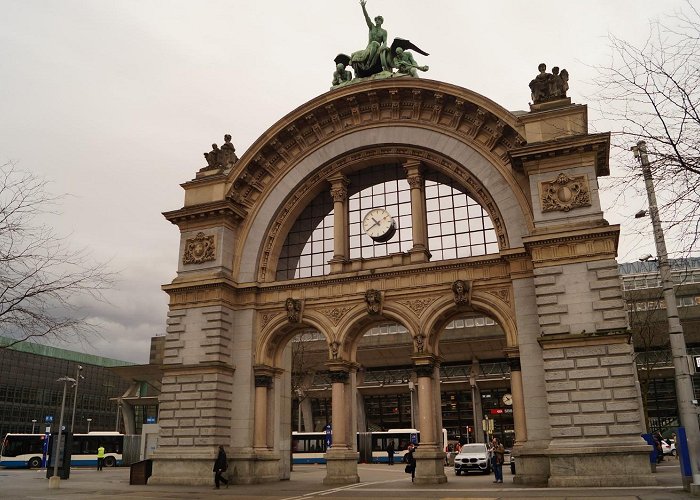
(487, 212)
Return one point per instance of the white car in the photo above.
(668, 447)
(473, 457)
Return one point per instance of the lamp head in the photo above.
(645, 258)
(640, 214)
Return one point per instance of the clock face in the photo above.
(508, 399)
(379, 225)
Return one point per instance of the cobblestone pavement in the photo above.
(378, 482)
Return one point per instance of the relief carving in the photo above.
(293, 307)
(199, 249)
(462, 292)
(565, 193)
(373, 298)
(502, 294)
(335, 314)
(418, 305)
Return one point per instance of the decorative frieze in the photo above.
(335, 314)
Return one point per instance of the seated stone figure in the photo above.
(406, 64)
(341, 75)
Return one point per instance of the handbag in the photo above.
(408, 469)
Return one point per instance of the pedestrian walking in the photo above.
(497, 457)
(220, 466)
(390, 452)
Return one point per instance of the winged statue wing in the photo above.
(342, 58)
(405, 45)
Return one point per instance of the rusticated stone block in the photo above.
(623, 393)
(564, 432)
(602, 418)
(619, 382)
(591, 395)
(596, 407)
(563, 408)
(185, 441)
(558, 397)
(620, 348)
(558, 364)
(589, 373)
(561, 386)
(559, 420)
(555, 375)
(586, 362)
(616, 371)
(618, 430)
(595, 430)
(589, 384)
(622, 405)
(552, 353)
(580, 352)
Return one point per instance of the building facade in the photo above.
(30, 396)
(418, 203)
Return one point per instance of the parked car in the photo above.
(668, 447)
(473, 457)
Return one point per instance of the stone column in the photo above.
(516, 391)
(430, 457)
(341, 460)
(339, 193)
(265, 463)
(262, 385)
(419, 221)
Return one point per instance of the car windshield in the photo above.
(472, 448)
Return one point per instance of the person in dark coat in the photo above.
(220, 466)
(410, 461)
(390, 452)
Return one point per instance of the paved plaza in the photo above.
(378, 481)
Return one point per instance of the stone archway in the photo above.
(553, 282)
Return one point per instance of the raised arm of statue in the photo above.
(364, 11)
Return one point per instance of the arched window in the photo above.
(458, 226)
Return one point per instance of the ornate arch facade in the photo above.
(552, 286)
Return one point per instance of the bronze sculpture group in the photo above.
(549, 86)
(378, 58)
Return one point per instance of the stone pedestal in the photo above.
(253, 467)
(531, 466)
(341, 467)
(578, 467)
(430, 466)
(183, 470)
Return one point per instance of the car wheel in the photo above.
(458, 473)
(673, 453)
(34, 463)
(110, 462)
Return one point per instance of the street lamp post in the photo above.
(33, 425)
(411, 390)
(78, 376)
(687, 411)
(55, 481)
(88, 421)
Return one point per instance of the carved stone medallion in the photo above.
(462, 292)
(565, 193)
(199, 249)
(293, 307)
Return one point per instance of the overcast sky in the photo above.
(115, 102)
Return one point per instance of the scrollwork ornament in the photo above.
(565, 193)
(199, 249)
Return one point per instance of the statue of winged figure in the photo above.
(378, 56)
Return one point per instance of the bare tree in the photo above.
(307, 359)
(652, 93)
(40, 277)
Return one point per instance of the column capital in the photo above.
(341, 365)
(424, 364)
(413, 167)
(263, 381)
(264, 370)
(514, 364)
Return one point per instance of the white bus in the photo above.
(310, 447)
(27, 450)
